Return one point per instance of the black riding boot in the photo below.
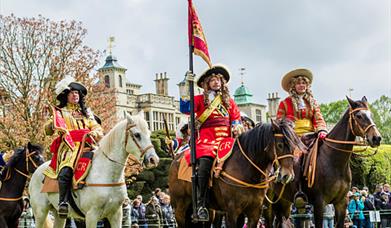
(64, 184)
(205, 164)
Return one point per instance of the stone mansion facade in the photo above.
(160, 105)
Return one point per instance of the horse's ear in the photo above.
(125, 114)
(141, 114)
(29, 146)
(364, 99)
(129, 118)
(352, 104)
(274, 125)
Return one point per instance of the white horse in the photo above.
(96, 201)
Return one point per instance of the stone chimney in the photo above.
(273, 101)
(161, 83)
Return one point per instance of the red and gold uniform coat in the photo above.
(215, 128)
(306, 120)
(66, 147)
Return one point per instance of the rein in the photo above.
(28, 176)
(142, 151)
(263, 184)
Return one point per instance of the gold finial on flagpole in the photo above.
(111, 44)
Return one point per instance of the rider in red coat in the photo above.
(300, 106)
(217, 118)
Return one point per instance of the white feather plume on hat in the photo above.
(63, 84)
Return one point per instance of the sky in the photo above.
(346, 44)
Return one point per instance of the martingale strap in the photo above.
(204, 116)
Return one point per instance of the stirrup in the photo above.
(203, 214)
(63, 210)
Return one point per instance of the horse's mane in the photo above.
(343, 118)
(258, 138)
(118, 131)
(255, 140)
(110, 140)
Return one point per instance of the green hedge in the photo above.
(372, 170)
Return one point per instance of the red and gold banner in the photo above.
(196, 35)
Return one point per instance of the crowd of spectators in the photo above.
(362, 203)
(364, 210)
(157, 212)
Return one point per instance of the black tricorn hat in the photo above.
(67, 84)
(215, 69)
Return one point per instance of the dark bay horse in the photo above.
(251, 162)
(22, 164)
(332, 175)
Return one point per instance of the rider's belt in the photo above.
(303, 126)
(217, 122)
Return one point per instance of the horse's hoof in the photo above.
(63, 210)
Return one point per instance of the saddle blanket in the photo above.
(224, 150)
(185, 171)
(80, 173)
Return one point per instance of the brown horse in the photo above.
(18, 169)
(251, 162)
(333, 175)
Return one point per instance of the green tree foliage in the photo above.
(381, 109)
(381, 114)
(332, 112)
(372, 170)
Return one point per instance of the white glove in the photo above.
(237, 129)
(190, 76)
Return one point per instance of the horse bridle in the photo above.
(276, 157)
(142, 151)
(28, 156)
(351, 117)
(362, 132)
(265, 183)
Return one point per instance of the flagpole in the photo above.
(193, 159)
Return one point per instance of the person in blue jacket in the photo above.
(355, 208)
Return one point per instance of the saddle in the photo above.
(224, 151)
(185, 171)
(80, 173)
